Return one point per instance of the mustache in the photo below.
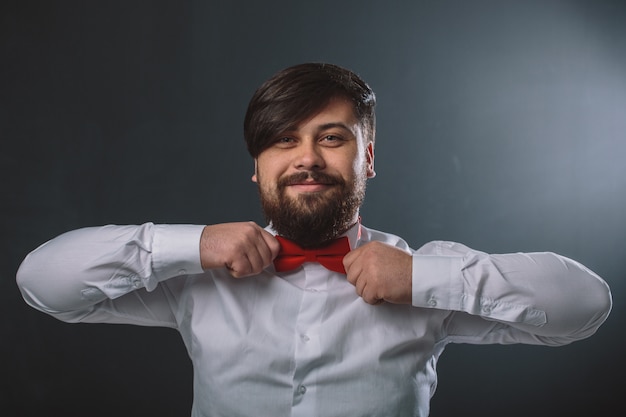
(300, 177)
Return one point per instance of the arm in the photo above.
(538, 297)
(551, 299)
(73, 273)
(88, 274)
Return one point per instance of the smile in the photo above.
(309, 186)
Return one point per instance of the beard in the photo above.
(312, 219)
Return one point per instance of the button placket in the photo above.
(308, 346)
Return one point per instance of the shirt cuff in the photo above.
(176, 250)
(437, 281)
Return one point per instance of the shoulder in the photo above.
(444, 247)
(435, 247)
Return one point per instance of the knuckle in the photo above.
(370, 300)
(240, 273)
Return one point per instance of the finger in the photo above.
(350, 258)
(271, 243)
(370, 296)
(258, 253)
(256, 258)
(353, 267)
(256, 248)
(359, 285)
(353, 273)
(240, 267)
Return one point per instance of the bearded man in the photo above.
(314, 314)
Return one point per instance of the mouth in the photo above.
(309, 186)
(314, 183)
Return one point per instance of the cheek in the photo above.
(359, 167)
(268, 166)
(266, 183)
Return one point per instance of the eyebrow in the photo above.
(334, 124)
(327, 126)
(339, 125)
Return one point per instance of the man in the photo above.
(353, 335)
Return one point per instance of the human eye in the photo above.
(332, 140)
(284, 141)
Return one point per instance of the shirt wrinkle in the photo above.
(303, 343)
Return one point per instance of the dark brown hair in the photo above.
(296, 93)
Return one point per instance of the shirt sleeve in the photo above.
(538, 298)
(86, 274)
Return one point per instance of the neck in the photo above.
(313, 244)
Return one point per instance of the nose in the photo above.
(309, 157)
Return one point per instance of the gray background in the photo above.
(501, 124)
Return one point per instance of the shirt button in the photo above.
(486, 309)
(301, 390)
(432, 302)
(305, 338)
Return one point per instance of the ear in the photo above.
(256, 165)
(369, 155)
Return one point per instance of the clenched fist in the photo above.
(244, 248)
(380, 272)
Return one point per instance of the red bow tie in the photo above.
(291, 255)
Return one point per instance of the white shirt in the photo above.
(303, 343)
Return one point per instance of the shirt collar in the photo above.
(353, 233)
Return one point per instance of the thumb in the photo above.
(351, 265)
(272, 243)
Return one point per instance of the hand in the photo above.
(380, 272)
(243, 248)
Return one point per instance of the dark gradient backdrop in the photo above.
(501, 125)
